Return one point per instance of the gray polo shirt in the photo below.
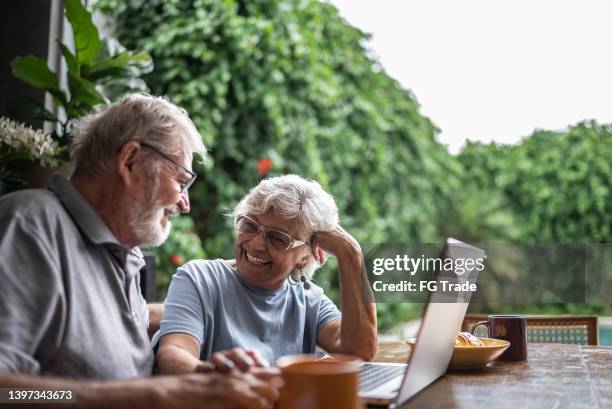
(70, 302)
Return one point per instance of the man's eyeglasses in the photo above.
(276, 238)
(192, 176)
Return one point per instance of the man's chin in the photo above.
(159, 237)
(164, 234)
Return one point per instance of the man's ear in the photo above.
(125, 160)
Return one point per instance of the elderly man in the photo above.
(71, 312)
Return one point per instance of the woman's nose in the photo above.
(258, 241)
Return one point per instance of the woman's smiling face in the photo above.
(263, 265)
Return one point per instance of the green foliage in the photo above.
(291, 81)
(560, 183)
(99, 71)
(35, 72)
(182, 245)
(563, 183)
(479, 214)
(558, 187)
(86, 40)
(94, 64)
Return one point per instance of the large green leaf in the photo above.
(115, 66)
(71, 61)
(35, 72)
(84, 92)
(86, 38)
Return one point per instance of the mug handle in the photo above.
(485, 323)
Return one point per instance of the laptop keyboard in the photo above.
(372, 376)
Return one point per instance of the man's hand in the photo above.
(219, 391)
(257, 389)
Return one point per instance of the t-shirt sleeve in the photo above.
(328, 312)
(30, 298)
(185, 305)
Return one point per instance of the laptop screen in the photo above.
(440, 325)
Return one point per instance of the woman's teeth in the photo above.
(255, 260)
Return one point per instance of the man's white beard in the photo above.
(145, 220)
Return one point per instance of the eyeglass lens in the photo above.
(276, 238)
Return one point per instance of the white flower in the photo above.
(36, 144)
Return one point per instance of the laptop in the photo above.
(389, 384)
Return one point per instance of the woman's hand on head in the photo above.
(337, 242)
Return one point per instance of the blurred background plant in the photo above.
(282, 86)
(19, 143)
(182, 245)
(98, 71)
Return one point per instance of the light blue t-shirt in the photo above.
(209, 300)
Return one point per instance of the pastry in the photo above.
(465, 339)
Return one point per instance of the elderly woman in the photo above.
(263, 301)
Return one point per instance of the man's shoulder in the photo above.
(33, 206)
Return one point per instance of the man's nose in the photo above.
(183, 202)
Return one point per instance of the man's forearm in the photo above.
(134, 394)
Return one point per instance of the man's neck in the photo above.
(108, 201)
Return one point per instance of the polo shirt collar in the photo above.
(88, 221)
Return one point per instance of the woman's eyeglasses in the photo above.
(275, 238)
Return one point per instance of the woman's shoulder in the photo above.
(206, 270)
(313, 294)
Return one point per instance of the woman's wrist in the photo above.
(349, 249)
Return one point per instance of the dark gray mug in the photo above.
(512, 328)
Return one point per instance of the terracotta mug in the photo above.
(512, 328)
(319, 383)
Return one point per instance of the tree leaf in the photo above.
(71, 61)
(35, 72)
(86, 37)
(114, 65)
(84, 92)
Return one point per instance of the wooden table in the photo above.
(554, 376)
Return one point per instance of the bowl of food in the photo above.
(472, 352)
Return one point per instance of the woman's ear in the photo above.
(319, 254)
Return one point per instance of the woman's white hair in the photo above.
(137, 117)
(302, 203)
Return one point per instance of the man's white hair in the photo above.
(302, 203)
(137, 117)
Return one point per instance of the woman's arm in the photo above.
(356, 332)
(178, 353)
